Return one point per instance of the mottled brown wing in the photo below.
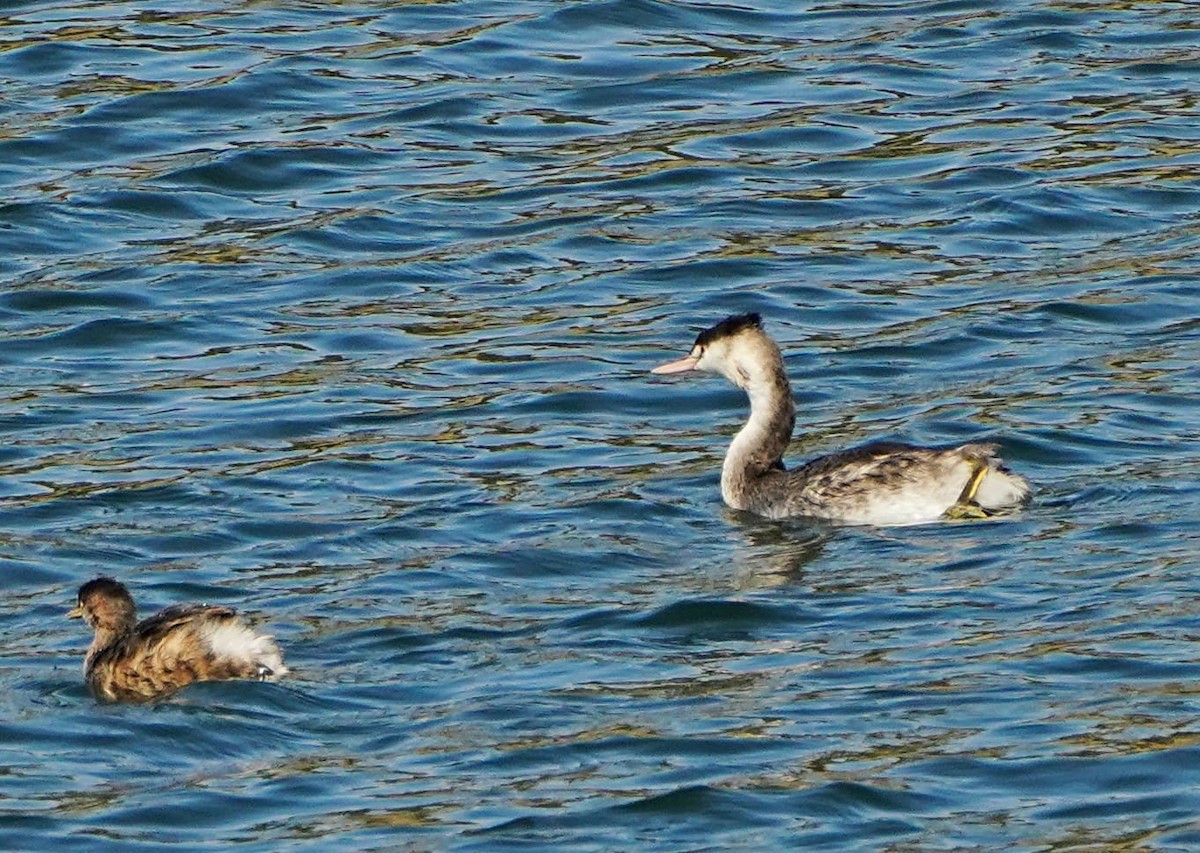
(853, 458)
(878, 471)
(180, 645)
(166, 652)
(157, 628)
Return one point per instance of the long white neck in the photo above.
(759, 446)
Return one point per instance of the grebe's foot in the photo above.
(965, 509)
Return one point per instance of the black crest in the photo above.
(729, 327)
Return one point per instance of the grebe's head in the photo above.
(105, 604)
(737, 348)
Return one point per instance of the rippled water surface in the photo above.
(342, 314)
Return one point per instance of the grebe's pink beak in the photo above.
(680, 366)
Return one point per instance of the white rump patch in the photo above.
(1001, 489)
(234, 640)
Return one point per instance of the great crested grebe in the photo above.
(131, 660)
(882, 483)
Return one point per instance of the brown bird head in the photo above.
(105, 605)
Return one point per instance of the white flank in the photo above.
(909, 508)
(920, 501)
(233, 639)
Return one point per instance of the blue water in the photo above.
(342, 314)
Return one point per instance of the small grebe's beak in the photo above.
(680, 366)
(76, 612)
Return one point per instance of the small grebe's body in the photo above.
(131, 660)
(881, 483)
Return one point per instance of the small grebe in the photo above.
(175, 647)
(880, 483)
